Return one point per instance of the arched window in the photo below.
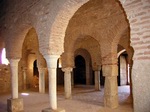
(3, 57)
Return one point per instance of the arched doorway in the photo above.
(35, 74)
(79, 71)
(29, 58)
(123, 76)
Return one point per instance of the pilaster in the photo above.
(110, 71)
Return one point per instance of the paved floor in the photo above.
(84, 99)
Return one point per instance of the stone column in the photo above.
(52, 65)
(14, 104)
(88, 79)
(97, 80)
(72, 78)
(1, 55)
(24, 78)
(14, 77)
(42, 72)
(130, 75)
(111, 87)
(67, 82)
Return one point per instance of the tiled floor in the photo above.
(84, 99)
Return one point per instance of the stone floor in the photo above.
(85, 99)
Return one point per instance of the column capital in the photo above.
(110, 70)
(110, 59)
(14, 60)
(24, 68)
(97, 68)
(51, 60)
(67, 69)
(42, 68)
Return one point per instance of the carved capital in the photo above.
(97, 68)
(51, 61)
(110, 59)
(110, 70)
(14, 62)
(67, 69)
(42, 69)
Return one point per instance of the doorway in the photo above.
(80, 71)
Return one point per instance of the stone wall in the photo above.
(5, 78)
(138, 14)
(5, 83)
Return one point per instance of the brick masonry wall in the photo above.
(138, 14)
(5, 85)
(5, 78)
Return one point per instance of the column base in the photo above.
(15, 105)
(51, 110)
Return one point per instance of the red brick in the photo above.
(132, 3)
(133, 6)
(147, 52)
(144, 58)
(146, 17)
(143, 22)
(140, 54)
(135, 29)
(147, 42)
(133, 21)
(146, 27)
(141, 47)
(140, 42)
(146, 36)
(134, 39)
(140, 14)
(146, 7)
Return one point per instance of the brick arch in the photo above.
(14, 40)
(92, 46)
(30, 43)
(84, 53)
(84, 42)
(88, 64)
(77, 34)
(61, 20)
(138, 17)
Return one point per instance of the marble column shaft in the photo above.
(52, 65)
(14, 77)
(67, 82)
(42, 72)
(24, 78)
(97, 80)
